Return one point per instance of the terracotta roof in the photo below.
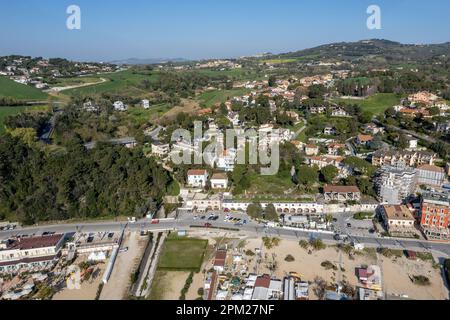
(221, 256)
(219, 176)
(341, 189)
(263, 281)
(365, 138)
(196, 172)
(398, 213)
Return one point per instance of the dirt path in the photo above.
(59, 89)
(126, 263)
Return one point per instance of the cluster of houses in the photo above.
(420, 103)
(229, 280)
(29, 71)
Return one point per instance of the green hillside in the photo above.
(12, 89)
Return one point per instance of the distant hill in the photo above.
(12, 89)
(136, 61)
(390, 51)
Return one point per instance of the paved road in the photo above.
(250, 229)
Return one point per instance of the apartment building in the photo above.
(393, 184)
(431, 175)
(397, 219)
(30, 254)
(435, 215)
(409, 158)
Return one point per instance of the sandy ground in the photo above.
(395, 273)
(169, 285)
(126, 264)
(197, 283)
(88, 289)
(397, 281)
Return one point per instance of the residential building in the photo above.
(410, 158)
(370, 277)
(145, 104)
(435, 215)
(329, 131)
(394, 184)
(160, 149)
(220, 260)
(373, 129)
(120, 106)
(397, 219)
(30, 254)
(431, 175)
(335, 148)
(197, 178)
(311, 150)
(364, 139)
(339, 112)
(341, 193)
(219, 181)
(201, 202)
(413, 143)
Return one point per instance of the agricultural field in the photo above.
(12, 89)
(182, 254)
(117, 82)
(375, 104)
(210, 98)
(279, 61)
(8, 111)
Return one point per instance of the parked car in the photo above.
(208, 225)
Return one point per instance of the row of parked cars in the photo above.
(8, 227)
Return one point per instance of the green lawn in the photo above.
(141, 116)
(279, 61)
(182, 254)
(377, 103)
(8, 111)
(210, 98)
(12, 89)
(276, 184)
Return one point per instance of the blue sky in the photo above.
(119, 29)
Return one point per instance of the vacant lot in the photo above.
(182, 254)
(11, 89)
(210, 98)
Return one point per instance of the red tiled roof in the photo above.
(196, 172)
(263, 282)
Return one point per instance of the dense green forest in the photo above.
(107, 181)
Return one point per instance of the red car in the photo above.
(208, 225)
(155, 221)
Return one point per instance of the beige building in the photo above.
(397, 218)
(30, 254)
